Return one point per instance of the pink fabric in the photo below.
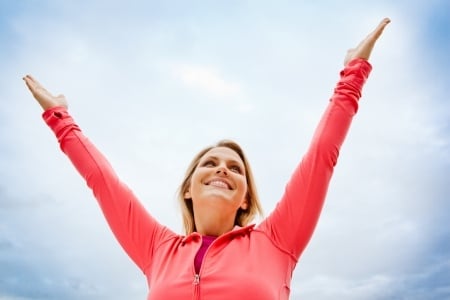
(253, 262)
(206, 242)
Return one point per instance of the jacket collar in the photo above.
(237, 230)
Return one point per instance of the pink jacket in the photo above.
(253, 262)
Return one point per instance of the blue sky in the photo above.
(152, 82)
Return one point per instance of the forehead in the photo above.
(223, 153)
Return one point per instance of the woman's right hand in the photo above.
(44, 97)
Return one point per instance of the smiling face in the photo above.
(241, 202)
(219, 181)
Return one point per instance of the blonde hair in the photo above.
(243, 217)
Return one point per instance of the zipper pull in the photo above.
(196, 279)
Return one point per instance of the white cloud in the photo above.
(148, 115)
(210, 83)
(206, 79)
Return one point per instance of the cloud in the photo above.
(209, 81)
(153, 88)
(206, 79)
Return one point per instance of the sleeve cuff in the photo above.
(59, 121)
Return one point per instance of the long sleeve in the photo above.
(292, 222)
(137, 231)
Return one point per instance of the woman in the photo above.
(221, 256)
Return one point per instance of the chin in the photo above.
(219, 195)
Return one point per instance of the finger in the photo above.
(32, 81)
(379, 29)
(29, 82)
(372, 37)
(34, 85)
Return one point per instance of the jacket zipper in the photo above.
(196, 284)
(196, 281)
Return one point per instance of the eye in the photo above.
(236, 169)
(209, 163)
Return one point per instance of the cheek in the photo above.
(195, 181)
(243, 185)
(196, 176)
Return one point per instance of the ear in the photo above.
(244, 205)
(187, 195)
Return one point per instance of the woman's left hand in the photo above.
(364, 49)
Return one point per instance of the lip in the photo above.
(219, 182)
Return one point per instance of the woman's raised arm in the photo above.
(292, 223)
(136, 230)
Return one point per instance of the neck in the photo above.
(214, 224)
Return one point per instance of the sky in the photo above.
(153, 82)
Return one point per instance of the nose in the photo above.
(222, 170)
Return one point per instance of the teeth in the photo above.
(219, 183)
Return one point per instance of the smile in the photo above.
(219, 184)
